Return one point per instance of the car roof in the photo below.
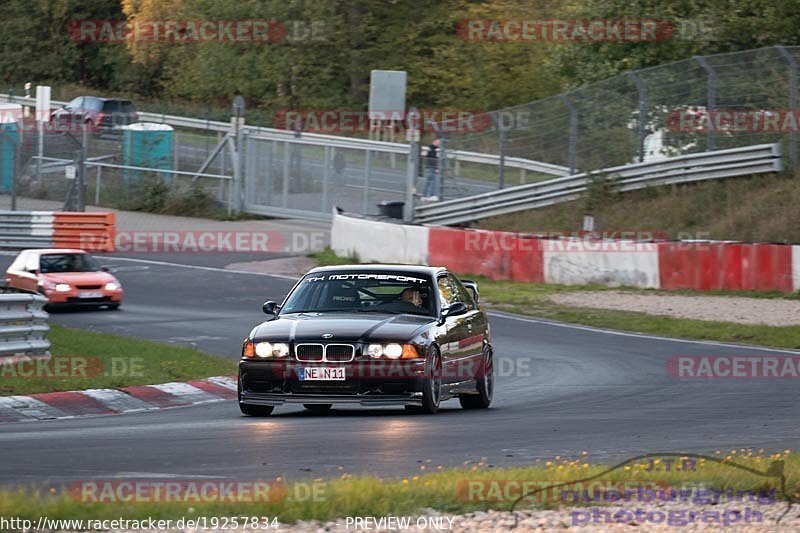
(415, 269)
(44, 251)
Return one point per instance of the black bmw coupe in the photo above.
(373, 335)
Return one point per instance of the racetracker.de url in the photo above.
(217, 523)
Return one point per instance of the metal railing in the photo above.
(23, 326)
(762, 158)
(518, 163)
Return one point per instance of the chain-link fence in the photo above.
(115, 176)
(694, 105)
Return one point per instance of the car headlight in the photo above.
(393, 350)
(375, 350)
(112, 286)
(269, 349)
(63, 287)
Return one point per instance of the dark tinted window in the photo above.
(464, 294)
(111, 106)
(55, 263)
(128, 107)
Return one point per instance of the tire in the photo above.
(318, 408)
(485, 386)
(255, 410)
(432, 385)
(249, 409)
(113, 307)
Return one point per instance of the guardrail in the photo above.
(718, 164)
(23, 327)
(48, 229)
(335, 141)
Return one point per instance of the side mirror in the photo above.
(458, 308)
(269, 307)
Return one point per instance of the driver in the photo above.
(412, 296)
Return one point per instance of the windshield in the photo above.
(372, 292)
(56, 263)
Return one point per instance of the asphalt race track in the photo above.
(560, 390)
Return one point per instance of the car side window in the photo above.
(446, 292)
(462, 292)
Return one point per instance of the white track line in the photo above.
(639, 335)
(197, 267)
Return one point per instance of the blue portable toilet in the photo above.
(148, 145)
(10, 117)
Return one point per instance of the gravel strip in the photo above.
(738, 309)
(739, 516)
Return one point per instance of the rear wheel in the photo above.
(485, 386)
(318, 408)
(113, 307)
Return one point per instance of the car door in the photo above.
(471, 333)
(454, 330)
(22, 274)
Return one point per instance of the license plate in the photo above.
(321, 374)
(90, 295)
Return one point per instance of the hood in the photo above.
(79, 278)
(352, 327)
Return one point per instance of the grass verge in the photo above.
(532, 299)
(446, 490)
(86, 359)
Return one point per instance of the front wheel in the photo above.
(432, 385)
(255, 410)
(485, 386)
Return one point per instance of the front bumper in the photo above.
(369, 383)
(73, 298)
(374, 400)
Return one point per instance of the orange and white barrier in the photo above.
(93, 232)
(656, 264)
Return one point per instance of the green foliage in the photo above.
(329, 48)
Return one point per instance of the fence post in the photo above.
(711, 98)
(442, 163)
(411, 171)
(641, 89)
(501, 176)
(792, 102)
(573, 133)
(326, 174)
(81, 204)
(367, 170)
